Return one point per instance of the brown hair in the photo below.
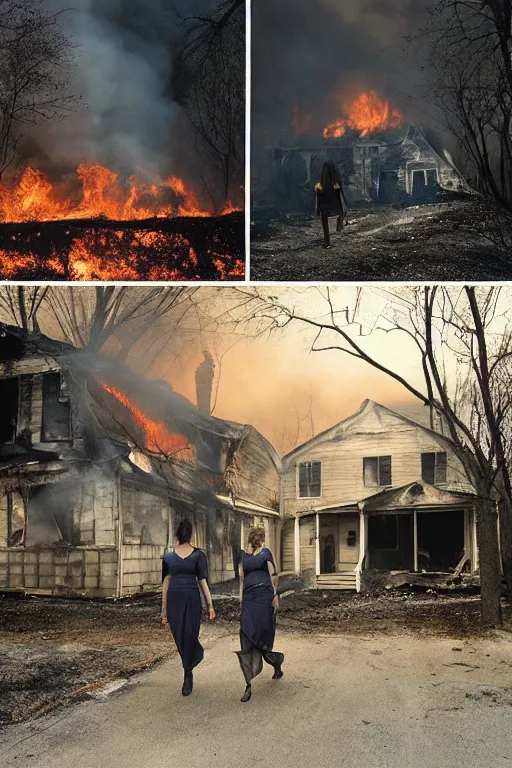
(256, 538)
(184, 532)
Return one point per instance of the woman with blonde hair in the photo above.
(184, 570)
(259, 599)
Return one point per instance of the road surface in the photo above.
(365, 701)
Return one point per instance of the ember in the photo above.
(159, 439)
(367, 114)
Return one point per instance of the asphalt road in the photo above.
(370, 702)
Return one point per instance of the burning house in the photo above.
(378, 498)
(381, 160)
(97, 466)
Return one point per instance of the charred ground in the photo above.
(54, 651)
(444, 241)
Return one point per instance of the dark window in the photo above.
(433, 467)
(351, 538)
(309, 479)
(377, 471)
(9, 395)
(56, 417)
(383, 532)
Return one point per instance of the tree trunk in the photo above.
(489, 557)
(505, 532)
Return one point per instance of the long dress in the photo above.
(330, 202)
(184, 603)
(258, 620)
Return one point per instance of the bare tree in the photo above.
(35, 61)
(20, 305)
(445, 325)
(470, 80)
(212, 63)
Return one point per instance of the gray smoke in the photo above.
(124, 68)
(306, 51)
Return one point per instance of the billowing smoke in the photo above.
(306, 52)
(128, 116)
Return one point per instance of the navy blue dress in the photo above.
(258, 619)
(184, 603)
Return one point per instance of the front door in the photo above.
(328, 554)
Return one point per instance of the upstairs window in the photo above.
(9, 397)
(433, 467)
(56, 412)
(310, 479)
(377, 471)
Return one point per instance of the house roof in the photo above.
(372, 413)
(413, 495)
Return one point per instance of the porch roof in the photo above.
(248, 506)
(413, 496)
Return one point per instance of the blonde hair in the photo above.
(256, 538)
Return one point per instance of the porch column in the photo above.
(296, 545)
(362, 548)
(242, 530)
(317, 545)
(415, 526)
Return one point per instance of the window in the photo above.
(377, 471)
(433, 467)
(9, 396)
(309, 479)
(15, 519)
(351, 538)
(383, 532)
(56, 412)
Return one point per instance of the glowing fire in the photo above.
(36, 198)
(159, 439)
(367, 114)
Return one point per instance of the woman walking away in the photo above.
(182, 571)
(258, 595)
(330, 199)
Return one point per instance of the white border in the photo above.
(247, 275)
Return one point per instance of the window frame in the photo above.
(435, 479)
(297, 479)
(379, 484)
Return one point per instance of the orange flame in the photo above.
(36, 198)
(367, 114)
(159, 439)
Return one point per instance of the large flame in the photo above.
(159, 439)
(367, 114)
(36, 198)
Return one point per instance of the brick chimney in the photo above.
(204, 383)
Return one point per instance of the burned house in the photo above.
(389, 168)
(377, 498)
(98, 465)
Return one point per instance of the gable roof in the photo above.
(372, 413)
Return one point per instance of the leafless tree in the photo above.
(20, 305)
(470, 79)
(35, 60)
(461, 324)
(212, 61)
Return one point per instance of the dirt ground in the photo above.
(55, 651)
(449, 241)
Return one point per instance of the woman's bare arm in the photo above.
(275, 583)
(241, 577)
(208, 597)
(165, 587)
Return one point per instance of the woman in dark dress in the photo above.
(258, 595)
(183, 571)
(330, 199)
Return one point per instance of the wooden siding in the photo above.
(258, 476)
(342, 453)
(288, 546)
